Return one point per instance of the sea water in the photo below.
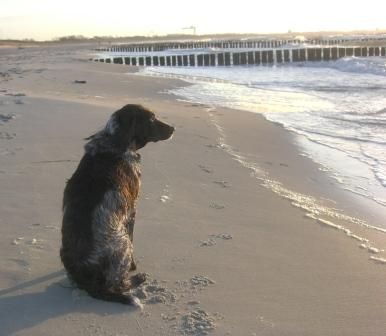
(337, 108)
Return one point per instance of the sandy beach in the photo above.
(229, 251)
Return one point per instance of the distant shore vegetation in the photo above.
(170, 37)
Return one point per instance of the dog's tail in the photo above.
(124, 298)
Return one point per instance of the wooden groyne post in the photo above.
(234, 53)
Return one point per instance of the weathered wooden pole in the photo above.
(206, 60)
(227, 57)
(221, 60)
(200, 60)
(334, 53)
(243, 58)
(257, 57)
(212, 60)
(279, 56)
(236, 58)
(302, 55)
(251, 58)
(287, 58)
(295, 55)
(192, 60)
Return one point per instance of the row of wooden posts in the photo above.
(227, 44)
(252, 57)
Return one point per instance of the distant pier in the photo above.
(234, 53)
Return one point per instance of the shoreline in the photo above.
(223, 251)
(350, 201)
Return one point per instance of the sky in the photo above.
(49, 19)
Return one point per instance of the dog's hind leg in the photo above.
(130, 231)
(130, 226)
(121, 292)
(133, 266)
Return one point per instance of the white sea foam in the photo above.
(378, 260)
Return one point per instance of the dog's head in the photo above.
(133, 126)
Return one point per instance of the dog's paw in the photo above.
(138, 279)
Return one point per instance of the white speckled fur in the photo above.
(111, 239)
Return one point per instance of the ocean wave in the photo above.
(355, 65)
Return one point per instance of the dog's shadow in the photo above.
(23, 311)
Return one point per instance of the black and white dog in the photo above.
(99, 206)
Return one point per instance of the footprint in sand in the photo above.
(223, 236)
(5, 76)
(6, 117)
(212, 240)
(29, 242)
(7, 151)
(223, 184)
(216, 206)
(154, 291)
(189, 288)
(205, 169)
(208, 242)
(166, 196)
(7, 136)
(200, 282)
(198, 322)
(21, 263)
(193, 320)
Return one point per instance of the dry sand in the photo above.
(226, 255)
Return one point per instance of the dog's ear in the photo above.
(128, 130)
(131, 134)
